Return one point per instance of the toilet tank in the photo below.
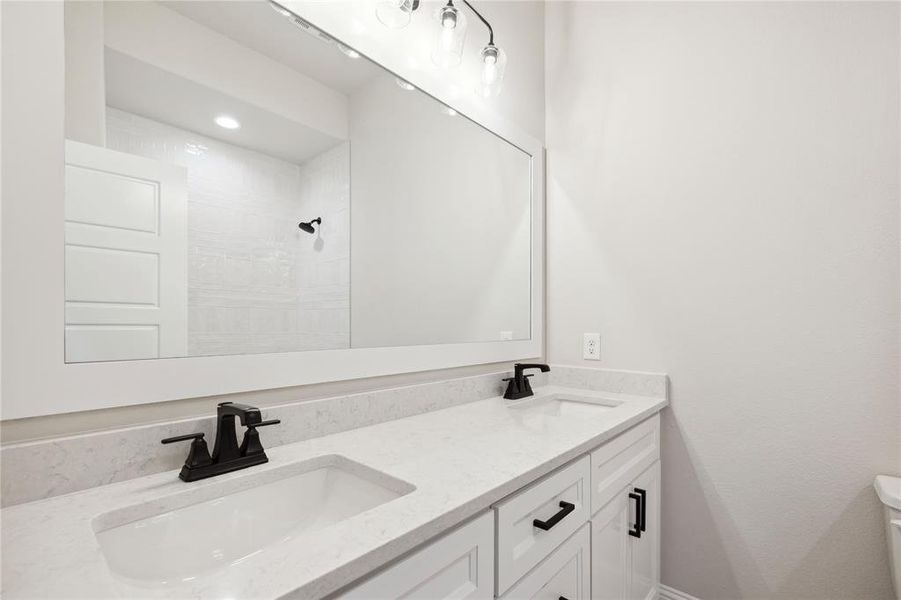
(888, 489)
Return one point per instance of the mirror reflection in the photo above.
(239, 182)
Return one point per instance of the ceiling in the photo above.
(138, 87)
(254, 24)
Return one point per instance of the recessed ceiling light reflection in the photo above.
(449, 111)
(280, 10)
(227, 122)
(405, 85)
(349, 52)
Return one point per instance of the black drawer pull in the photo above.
(643, 514)
(565, 509)
(635, 530)
(562, 598)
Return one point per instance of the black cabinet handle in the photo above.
(635, 530)
(643, 513)
(565, 509)
(562, 598)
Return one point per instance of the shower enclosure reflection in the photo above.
(238, 182)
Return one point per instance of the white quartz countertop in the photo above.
(461, 460)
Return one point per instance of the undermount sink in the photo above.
(566, 406)
(199, 531)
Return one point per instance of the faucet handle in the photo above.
(182, 438)
(198, 455)
(251, 445)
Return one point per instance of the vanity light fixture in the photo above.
(494, 62)
(227, 122)
(448, 49)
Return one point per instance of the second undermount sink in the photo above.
(566, 406)
(197, 532)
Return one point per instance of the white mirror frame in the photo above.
(36, 380)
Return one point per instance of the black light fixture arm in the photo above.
(483, 20)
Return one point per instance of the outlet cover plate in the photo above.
(591, 346)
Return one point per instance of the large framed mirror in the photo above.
(250, 202)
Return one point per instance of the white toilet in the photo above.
(888, 489)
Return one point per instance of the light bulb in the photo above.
(489, 54)
(494, 60)
(447, 50)
(489, 73)
(448, 17)
(447, 39)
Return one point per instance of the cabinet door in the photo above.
(611, 549)
(459, 565)
(646, 549)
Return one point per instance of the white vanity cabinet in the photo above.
(589, 530)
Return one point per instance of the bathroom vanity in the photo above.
(603, 542)
(557, 494)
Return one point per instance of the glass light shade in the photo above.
(494, 62)
(395, 13)
(448, 48)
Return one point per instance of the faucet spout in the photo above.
(518, 386)
(227, 455)
(226, 446)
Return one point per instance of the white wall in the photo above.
(440, 222)
(723, 206)
(256, 282)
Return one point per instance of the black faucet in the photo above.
(518, 386)
(227, 455)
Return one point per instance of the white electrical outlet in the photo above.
(591, 346)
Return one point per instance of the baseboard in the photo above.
(665, 592)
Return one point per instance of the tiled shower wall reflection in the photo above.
(256, 283)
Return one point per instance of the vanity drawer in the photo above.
(534, 521)
(563, 574)
(622, 459)
(459, 565)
